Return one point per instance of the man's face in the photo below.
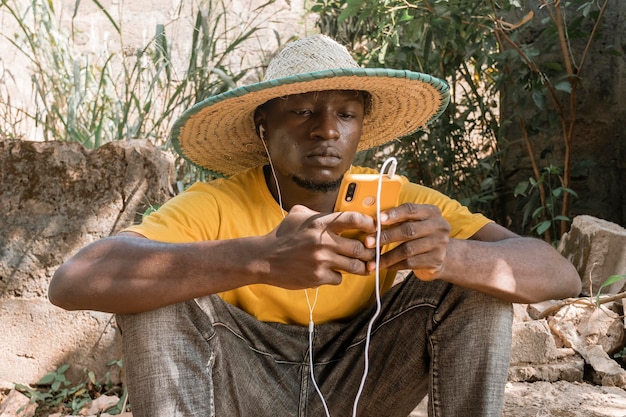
(312, 138)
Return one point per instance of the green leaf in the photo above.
(405, 17)
(26, 390)
(63, 368)
(55, 386)
(561, 218)
(610, 280)
(47, 379)
(543, 226)
(565, 86)
(569, 190)
(539, 100)
(520, 188)
(555, 66)
(487, 183)
(151, 209)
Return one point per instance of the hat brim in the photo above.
(219, 134)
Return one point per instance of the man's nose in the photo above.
(325, 126)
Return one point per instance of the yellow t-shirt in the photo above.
(242, 206)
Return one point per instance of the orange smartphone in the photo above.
(359, 192)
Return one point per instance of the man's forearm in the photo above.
(125, 274)
(520, 270)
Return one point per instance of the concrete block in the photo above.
(533, 343)
(38, 337)
(569, 369)
(597, 248)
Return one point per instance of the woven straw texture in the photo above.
(219, 133)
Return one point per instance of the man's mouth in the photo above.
(325, 157)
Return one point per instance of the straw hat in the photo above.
(219, 133)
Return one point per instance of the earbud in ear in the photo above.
(261, 132)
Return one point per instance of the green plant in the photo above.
(55, 393)
(543, 201)
(528, 55)
(94, 97)
(542, 65)
(458, 154)
(609, 281)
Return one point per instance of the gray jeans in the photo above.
(207, 358)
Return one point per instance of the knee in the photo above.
(491, 315)
(484, 311)
(129, 324)
(169, 324)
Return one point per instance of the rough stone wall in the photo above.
(56, 197)
(599, 143)
(93, 35)
(597, 249)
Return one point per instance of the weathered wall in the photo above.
(599, 143)
(93, 35)
(56, 197)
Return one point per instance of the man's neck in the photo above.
(291, 194)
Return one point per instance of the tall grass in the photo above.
(96, 97)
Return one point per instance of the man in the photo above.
(241, 297)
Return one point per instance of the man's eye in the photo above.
(302, 112)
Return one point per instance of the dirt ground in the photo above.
(563, 399)
(557, 399)
(545, 399)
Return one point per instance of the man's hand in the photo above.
(307, 250)
(423, 237)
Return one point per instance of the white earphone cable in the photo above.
(306, 293)
(311, 331)
(269, 158)
(392, 170)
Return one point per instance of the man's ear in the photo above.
(259, 120)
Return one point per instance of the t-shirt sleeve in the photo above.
(463, 223)
(188, 217)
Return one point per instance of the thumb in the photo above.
(300, 209)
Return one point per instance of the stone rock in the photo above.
(607, 371)
(57, 197)
(520, 313)
(43, 337)
(536, 357)
(597, 248)
(584, 324)
(563, 399)
(533, 343)
(538, 311)
(570, 368)
(100, 404)
(14, 402)
(585, 330)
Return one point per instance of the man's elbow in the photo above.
(59, 293)
(570, 285)
(576, 286)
